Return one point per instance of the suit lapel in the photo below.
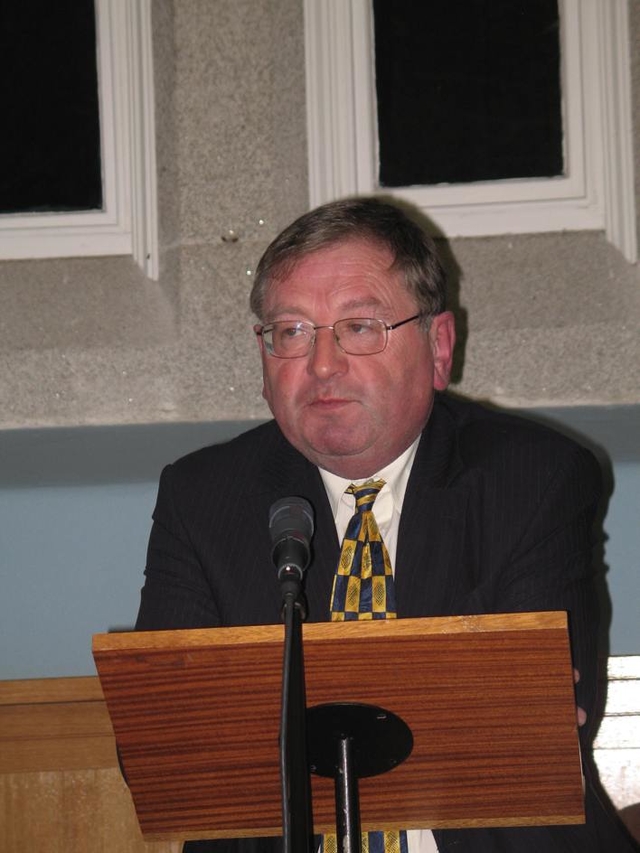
(284, 472)
(432, 525)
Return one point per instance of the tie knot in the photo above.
(365, 494)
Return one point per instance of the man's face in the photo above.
(353, 414)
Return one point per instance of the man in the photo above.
(480, 512)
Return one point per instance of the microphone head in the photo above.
(291, 515)
(291, 528)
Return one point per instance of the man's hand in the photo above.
(580, 712)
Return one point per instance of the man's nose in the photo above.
(326, 358)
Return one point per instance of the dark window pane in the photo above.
(468, 90)
(50, 143)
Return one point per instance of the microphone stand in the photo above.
(297, 820)
(366, 740)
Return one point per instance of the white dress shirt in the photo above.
(387, 509)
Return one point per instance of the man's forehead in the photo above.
(351, 256)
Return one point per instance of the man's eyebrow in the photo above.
(349, 306)
(357, 304)
(289, 311)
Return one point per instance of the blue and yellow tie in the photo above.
(372, 842)
(363, 583)
(363, 589)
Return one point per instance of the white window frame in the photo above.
(598, 190)
(127, 224)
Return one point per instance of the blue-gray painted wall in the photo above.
(75, 508)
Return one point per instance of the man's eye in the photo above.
(291, 331)
(358, 328)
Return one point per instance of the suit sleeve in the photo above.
(551, 564)
(176, 593)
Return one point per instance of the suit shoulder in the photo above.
(236, 455)
(486, 435)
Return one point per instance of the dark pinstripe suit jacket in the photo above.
(497, 517)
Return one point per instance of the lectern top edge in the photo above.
(199, 637)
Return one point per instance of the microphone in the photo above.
(291, 529)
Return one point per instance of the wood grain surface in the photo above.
(489, 700)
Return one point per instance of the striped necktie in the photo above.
(363, 589)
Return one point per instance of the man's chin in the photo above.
(339, 433)
(335, 451)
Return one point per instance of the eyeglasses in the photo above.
(354, 336)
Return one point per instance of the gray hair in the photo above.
(372, 219)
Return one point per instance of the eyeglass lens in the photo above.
(355, 336)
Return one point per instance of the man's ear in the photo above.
(442, 334)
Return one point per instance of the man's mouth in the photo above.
(327, 403)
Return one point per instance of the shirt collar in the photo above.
(395, 475)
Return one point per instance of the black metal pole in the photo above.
(297, 812)
(347, 801)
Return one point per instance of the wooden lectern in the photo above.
(489, 701)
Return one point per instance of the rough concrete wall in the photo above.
(634, 37)
(549, 319)
(91, 340)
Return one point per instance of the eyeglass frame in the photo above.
(388, 327)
